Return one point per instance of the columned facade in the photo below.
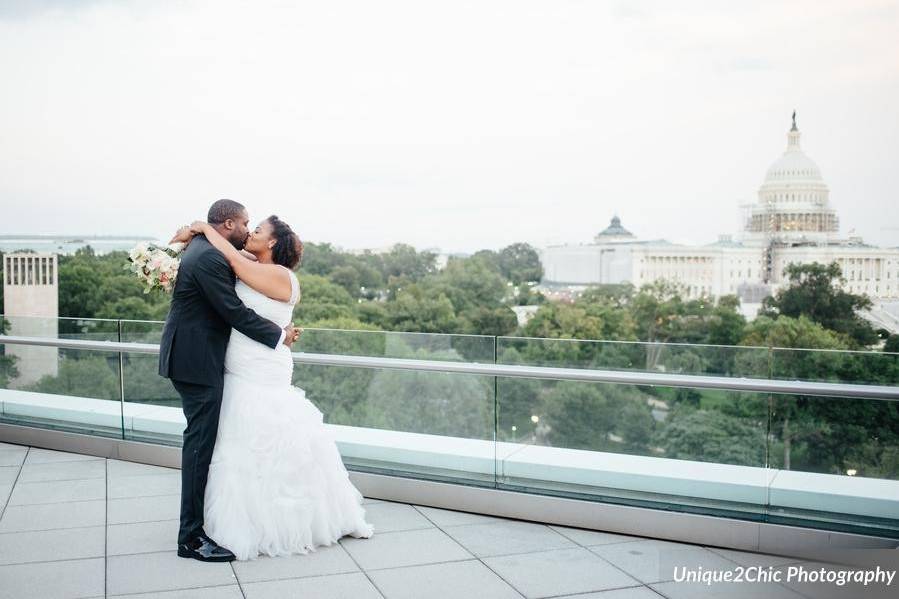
(31, 307)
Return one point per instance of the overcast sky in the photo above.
(455, 124)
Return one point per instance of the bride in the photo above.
(277, 484)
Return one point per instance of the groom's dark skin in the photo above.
(237, 231)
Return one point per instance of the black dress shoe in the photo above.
(205, 549)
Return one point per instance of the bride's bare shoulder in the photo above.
(294, 284)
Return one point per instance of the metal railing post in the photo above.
(121, 380)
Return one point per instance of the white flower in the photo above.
(155, 266)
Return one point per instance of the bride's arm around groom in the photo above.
(204, 309)
(259, 272)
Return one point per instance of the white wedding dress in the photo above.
(277, 484)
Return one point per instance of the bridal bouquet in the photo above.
(156, 266)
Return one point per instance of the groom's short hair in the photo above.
(222, 210)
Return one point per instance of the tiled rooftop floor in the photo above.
(80, 526)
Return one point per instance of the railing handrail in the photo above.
(621, 377)
(678, 344)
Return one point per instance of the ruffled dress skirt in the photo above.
(277, 484)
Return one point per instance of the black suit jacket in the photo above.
(204, 309)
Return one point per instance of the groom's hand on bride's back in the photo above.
(291, 334)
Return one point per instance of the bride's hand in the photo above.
(199, 226)
(183, 235)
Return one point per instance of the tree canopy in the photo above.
(814, 292)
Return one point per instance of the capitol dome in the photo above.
(793, 165)
(794, 201)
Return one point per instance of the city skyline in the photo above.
(364, 129)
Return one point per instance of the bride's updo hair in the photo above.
(288, 249)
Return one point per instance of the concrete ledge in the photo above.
(706, 480)
(835, 493)
(92, 412)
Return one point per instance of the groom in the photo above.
(204, 308)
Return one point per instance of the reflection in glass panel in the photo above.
(837, 462)
(89, 329)
(683, 449)
(142, 331)
(387, 344)
(679, 358)
(152, 407)
(838, 366)
(62, 327)
(424, 424)
(61, 389)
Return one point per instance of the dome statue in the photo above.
(793, 165)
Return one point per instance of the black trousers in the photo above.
(201, 405)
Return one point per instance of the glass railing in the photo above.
(420, 424)
(830, 462)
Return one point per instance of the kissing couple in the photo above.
(260, 472)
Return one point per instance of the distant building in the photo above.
(31, 306)
(792, 222)
(524, 313)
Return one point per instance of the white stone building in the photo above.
(792, 222)
(31, 306)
